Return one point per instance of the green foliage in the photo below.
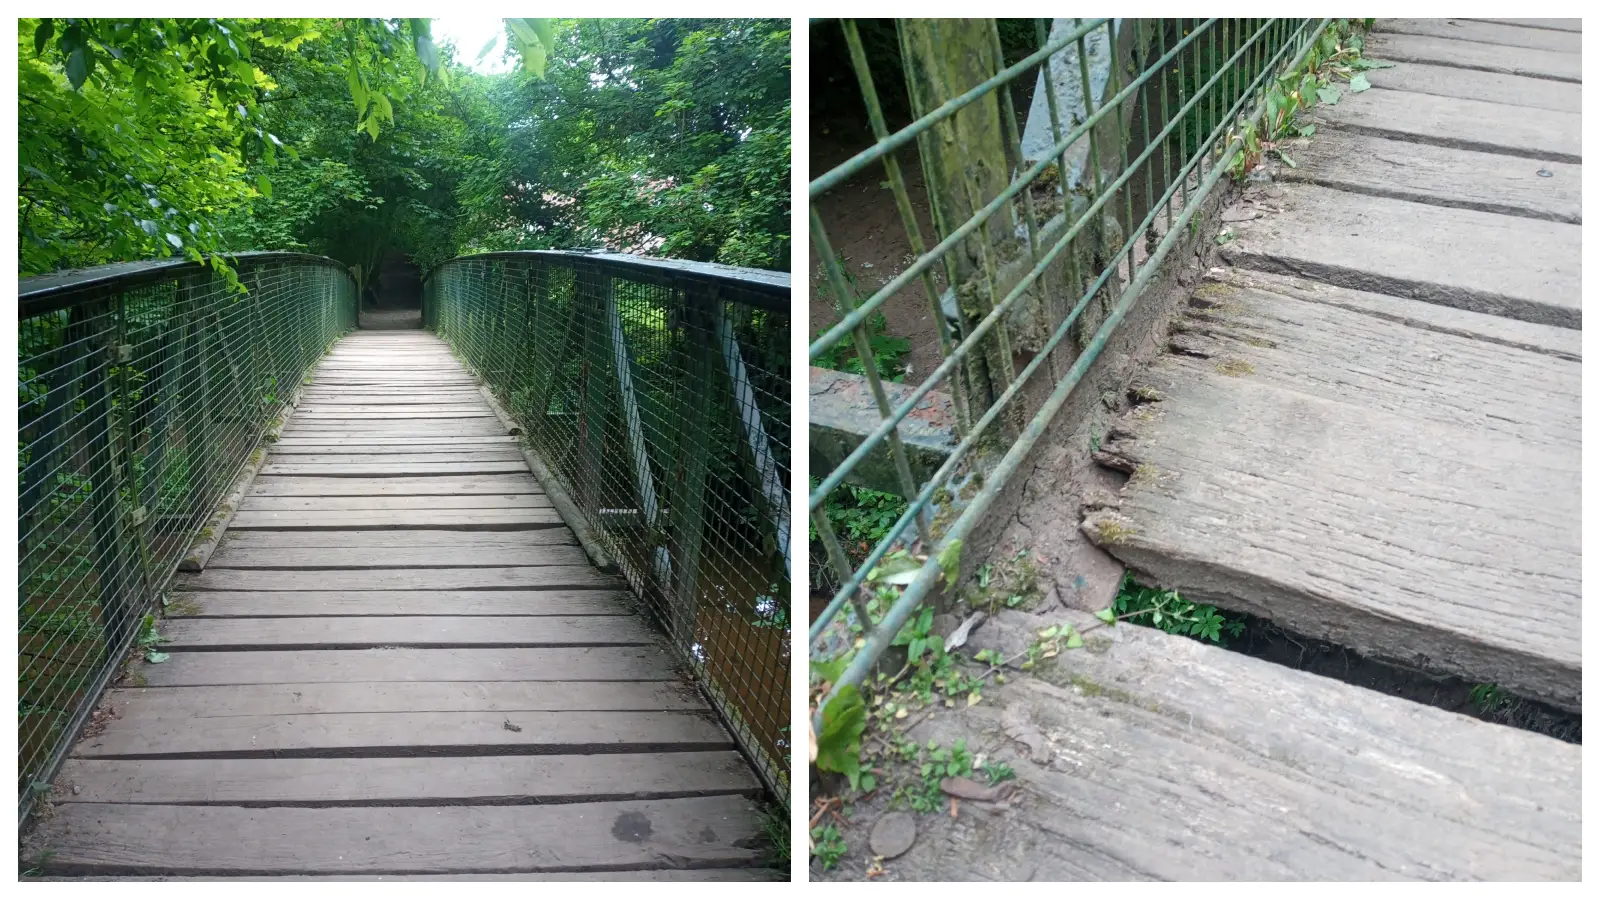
(1487, 698)
(828, 845)
(934, 764)
(359, 138)
(996, 771)
(844, 720)
(1173, 614)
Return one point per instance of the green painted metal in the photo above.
(1200, 131)
(144, 388)
(657, 394)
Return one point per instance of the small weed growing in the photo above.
(828, 845)
(1173, 614)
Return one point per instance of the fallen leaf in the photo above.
(958, 637)
(967, 789)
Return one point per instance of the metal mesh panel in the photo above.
(1082, 231)
(657, 393)
(143, 390)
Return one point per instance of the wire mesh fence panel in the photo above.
(1042, 239)
(143, 391)
(657, 394)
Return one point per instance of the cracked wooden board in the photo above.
(221, 604)
(1485, 33)
(1552, 65)
(89, 838)
(1441, 176)
(1162, 758)
(1520, 268)
(1470, 84)
(1535, 135)
(400, 664)
(1362, 522)
(428, 779)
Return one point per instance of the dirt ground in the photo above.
(864, 226)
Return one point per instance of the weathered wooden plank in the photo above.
(391, 444)
(459, 455)
(314, 486)
(485, 519)
(394, 452)
(362, 632)
(396, 579)
(335, 407)
(1349, 356)
(421, 538)
(1522, 268)
(244, 736)
(1562, 343)
(216, 840)
(1551, 24)
(349, 503)
(1513, 90)
(404, 664)
(1140, 773)
(313, 418)
(1441, 176)
(398, 557)
(721, 874)
(1365, 519)
(1485, 32)
(1535, 134)
(402, 470)
(590, 602)
(198, 704)
(429, 780)
(1472, 55)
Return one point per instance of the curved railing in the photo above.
(144, 389)
(656, 395)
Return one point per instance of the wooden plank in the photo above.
(485, 519)
(1521, 268)
(1537, 134)
(410, 781)
(1551, 24)
(398, 557)
(1139, 773)
(469, 501)
(1440, 176)
(312, 418)
(362, 632)
(197, 704)
(1562, 343)
(1471, 55)
(215, 840)
(395, 459)
(396, 579)
(334, 407)
(1486, 33)
(591, 602)
(246, 736)
(387, 451)
(313, 486)
(404, 664)
(1353, 481)
(392, 470)
(1513, 90)
(721, 874)
(422, 538)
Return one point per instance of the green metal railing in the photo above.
(657, 394)
(144, 388)
(1090, 221)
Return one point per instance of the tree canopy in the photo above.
(356, 138)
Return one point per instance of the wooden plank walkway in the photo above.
(1369, 430)
(399, 662)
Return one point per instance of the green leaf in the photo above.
(1371, 64)
(1287, 161)
(42, 35)
(371, 128)
(358, 91)
(1107, 616)
(950, 562)
(844, 720)
(1308, 130)
(385, 108)
(535, 38)
(1359, 83)
(79, 65)
(1329, 95)
(490, 45)
(1074, 639)
(156, 656)
(900, 570)
(869, 782)
(829, 671)
(264, 185)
